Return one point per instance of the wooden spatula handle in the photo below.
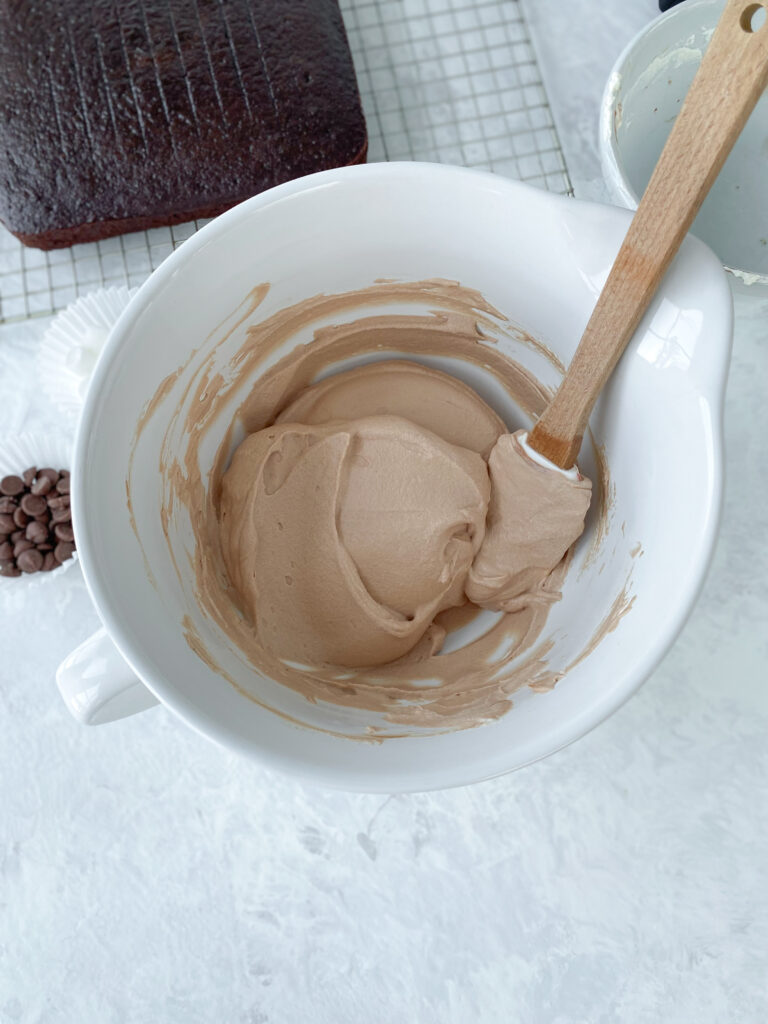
(728, 84)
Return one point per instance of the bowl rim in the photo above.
(610, 158)
(335, 776)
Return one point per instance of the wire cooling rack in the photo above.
(454, 81)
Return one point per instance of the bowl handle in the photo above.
(97, 685)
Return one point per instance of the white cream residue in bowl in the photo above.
(642, 97)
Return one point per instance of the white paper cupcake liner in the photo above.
(72, 344)
(17, 453)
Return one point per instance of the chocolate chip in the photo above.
(64, 531)
(11, 485)
(42, 485)
(38, 533)
(30, 560)
(33, 504)
(27, 514)
(63, 551)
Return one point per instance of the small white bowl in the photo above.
(542, 260)
(644, 92)
(17, 453)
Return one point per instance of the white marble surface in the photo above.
(148, 876)
(577, 44)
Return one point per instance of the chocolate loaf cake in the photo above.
(118, 116)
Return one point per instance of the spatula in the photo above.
(728, 84)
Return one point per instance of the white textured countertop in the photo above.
(148, 876)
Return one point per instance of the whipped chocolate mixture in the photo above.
(394, 574)
(357, 518)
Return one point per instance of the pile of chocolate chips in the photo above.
(35, 521)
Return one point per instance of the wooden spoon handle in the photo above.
(728, 84)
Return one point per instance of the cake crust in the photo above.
(122, 115)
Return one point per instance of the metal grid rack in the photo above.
(452, 81)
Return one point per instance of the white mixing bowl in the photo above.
(539, 258)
